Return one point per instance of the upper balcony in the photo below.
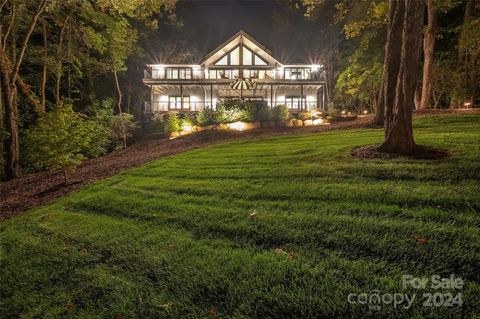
(180, 73)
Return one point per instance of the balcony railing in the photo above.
(160, 75)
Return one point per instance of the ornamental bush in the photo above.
(172, 123)
(280, 113)
(61, 139)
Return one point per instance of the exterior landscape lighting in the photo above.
(315, 67)
(237, 126)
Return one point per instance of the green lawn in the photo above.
(175, 239)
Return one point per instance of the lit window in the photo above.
(247, 56)
(294, 102)
(175, 102)
(259, 61)
(223, 61)
(235, 57)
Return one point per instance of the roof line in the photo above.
(239, 33)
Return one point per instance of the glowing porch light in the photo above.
(344, 112)
(315, 67)
(196, 70)
(365, 112)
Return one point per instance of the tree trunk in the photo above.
(10, 68)
(391, 63)
(418, 97)
(428, 49)
(398, 120)
(380, 109)
(59, 68)
(455, 102)
(12, 169)
(119, 105)
(44, 71)
(2, 130)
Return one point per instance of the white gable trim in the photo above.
(240, 39)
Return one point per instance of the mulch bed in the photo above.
(32, 190)
(420, 152)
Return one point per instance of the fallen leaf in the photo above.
(167, 306)
(280, 251)
(292, 254)
(69, 306)
(421, 240)
(213, 312)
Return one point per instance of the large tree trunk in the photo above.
(44, 71)
(391, 65)
(398, 119)
(428, 49)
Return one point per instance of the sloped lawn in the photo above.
(268, 228)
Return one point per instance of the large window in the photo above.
(254, 74)
(294, 102)
(223, 74)
(179, 73)
(248, 57)
(297, 73)
(175, 102)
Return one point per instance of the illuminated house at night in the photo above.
(240, 68)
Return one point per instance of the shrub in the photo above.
(256, 111)
(304, 116)
(121, 129)
(172, 123)
(207, 116)
(280, 113)
(61, 139)
(153, 123)
(184, 123)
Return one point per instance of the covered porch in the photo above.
(195, 97)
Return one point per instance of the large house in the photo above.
(240, 68)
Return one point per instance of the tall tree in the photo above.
(401, 61)
(428, 48)
(10, 63)
(434, 8)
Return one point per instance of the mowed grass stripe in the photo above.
(174, 238)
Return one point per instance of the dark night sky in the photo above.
(207, 23)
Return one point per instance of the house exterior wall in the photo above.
(185, 87)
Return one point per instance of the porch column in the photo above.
(301, 97)
(181, 96)
(271, 95)
(211, 96)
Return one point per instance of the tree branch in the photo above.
(10, 26)
(16, 69)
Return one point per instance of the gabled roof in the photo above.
(245, 38)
